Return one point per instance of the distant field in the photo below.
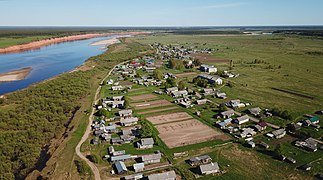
(17, 40)
(292, 63)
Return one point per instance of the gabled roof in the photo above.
(199, 158)
(242, 118)
(209, 167)
(279, 132)
(139, 166)
(147, 141)
(149, 157)
(162, 176)
(229, 112)
(262, 124)
(125, 111)
(129, 120)
(120, 158)
(314, 119)
(120, 166)
(256, 110)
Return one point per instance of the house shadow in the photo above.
(267, 152)
(195, 170)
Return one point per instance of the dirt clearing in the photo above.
(205, 58)
(142, 97)
(150, 104)
(187, 132)
(167, 118)
(138, 89)
(186, 74)
(157, 110)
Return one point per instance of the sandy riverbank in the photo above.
(15, 75)
(106, 42)
(46, 42)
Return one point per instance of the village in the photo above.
(173, 99)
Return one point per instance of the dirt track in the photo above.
(86, 134)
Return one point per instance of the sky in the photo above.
(160, 12)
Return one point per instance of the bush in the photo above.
(80, 166)
(93, 158)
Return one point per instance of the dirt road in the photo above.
(86, 134)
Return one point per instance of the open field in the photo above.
(187, 132)
(16, 40)
(205, 58)
(167, 118)
(150, 104)
(287, 62)
(142, 97)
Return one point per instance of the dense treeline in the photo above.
(318, 32)
(30, 118)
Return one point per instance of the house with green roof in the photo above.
(315, 120)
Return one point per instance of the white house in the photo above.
(209, 168)
(146, 143)
(242, 119)
(212, 79)
(209, 69)
(129, 121)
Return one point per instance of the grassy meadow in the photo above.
(17, 40)
(289, 63)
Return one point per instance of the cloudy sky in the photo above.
(160, 12)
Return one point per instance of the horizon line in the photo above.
(272, 25)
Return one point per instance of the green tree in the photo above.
(176, 64)
(126, 102)
(223, 107)
(93, 158)
(170, 82)
(103, 112)
(278, 150)
(181, 85)
(197, 62)
(158, 74)
(231, 65)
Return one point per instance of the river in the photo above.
(47, 61)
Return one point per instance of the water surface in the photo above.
(47, 61)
